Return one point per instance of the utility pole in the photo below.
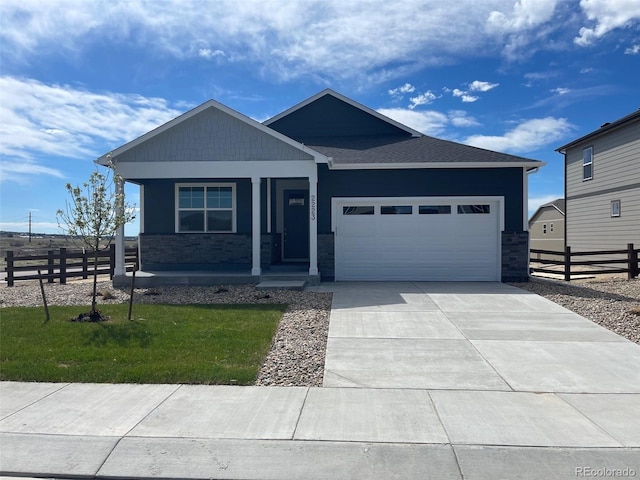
(29, 227)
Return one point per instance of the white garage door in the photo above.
(417, 238)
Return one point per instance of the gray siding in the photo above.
(616, 176)
(591, 227)
(212, 135)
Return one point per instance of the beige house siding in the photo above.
(616, 176)
(554, 237)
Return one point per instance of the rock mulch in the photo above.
(612, 303)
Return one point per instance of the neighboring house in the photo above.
(546, 227)
(602, 191)
(329, 185)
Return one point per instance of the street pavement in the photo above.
(422, 381)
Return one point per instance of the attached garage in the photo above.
(417, 238)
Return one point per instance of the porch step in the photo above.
(281, 285)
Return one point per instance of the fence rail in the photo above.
(606, 263)
(63, 264)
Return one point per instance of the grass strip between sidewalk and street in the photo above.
(196, 344)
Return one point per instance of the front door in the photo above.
(295, 245)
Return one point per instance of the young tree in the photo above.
(93, 215)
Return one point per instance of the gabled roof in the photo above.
(558, 204)
(327, 95)
(412, 152)
(103, 160)
(607, 127)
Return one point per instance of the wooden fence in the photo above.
(65, 264)
(607, 261)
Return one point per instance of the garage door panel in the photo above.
(443, 246)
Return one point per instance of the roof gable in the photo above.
(329, 114)
(212, 132)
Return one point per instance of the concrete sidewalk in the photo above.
(422, 381)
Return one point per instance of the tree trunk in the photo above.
(94, 309)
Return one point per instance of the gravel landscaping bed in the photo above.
(612, 303)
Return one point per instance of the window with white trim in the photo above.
(209, 207)
(587, 163)
(544, 228)
(615, 208)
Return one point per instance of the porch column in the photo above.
(255, 226)
(119, 237)
(313, 223)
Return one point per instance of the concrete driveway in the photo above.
(422, 381)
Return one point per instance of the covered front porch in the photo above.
(279, 242)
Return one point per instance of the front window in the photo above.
(587, 163)
(205, 207)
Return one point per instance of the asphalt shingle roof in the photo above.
(402, 149)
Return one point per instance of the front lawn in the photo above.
(206, 344)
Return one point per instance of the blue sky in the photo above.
(80, 78)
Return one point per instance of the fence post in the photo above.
(632, 256)
(50, 265)
(567, 264)
(112, 260)
(9, 268)
(63, 266)
(85, 264)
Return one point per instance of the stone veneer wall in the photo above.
(326, 256)
(200, 251)
(515, 256)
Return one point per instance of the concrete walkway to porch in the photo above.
(422, 381)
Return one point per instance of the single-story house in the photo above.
(330, 186)
(546, 227)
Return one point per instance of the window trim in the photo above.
(587, 164)
(233, 209)
(616, 214)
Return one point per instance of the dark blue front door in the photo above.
(296, 225)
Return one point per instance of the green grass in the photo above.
(204, 344)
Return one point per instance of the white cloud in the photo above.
(285, 39)
(422, 99)
(428, 122)
(525, 15)
(400, 91)
(459, 118)
(560, 90)
(632, 50)
(607, 15)
(478, 86)
(209, 54)
(41, 121)
(528, 136)
(469, 98)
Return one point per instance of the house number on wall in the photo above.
(313, 207)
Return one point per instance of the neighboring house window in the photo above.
(551, 227)
(206, 208)
(544, 228)
(587, 163)
(615, 208)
